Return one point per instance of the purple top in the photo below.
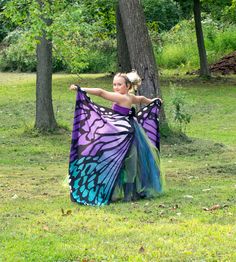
(121, 110)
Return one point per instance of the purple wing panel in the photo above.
(101, 139)
(148, 118)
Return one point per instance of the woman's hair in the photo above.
(132, 79)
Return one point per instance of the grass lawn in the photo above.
(194, 220)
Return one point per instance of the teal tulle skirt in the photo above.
(140, 175)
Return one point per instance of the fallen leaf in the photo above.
(215, 207)
(15, 196)
(141, 250)
(147, 211)
(46, 228)
(206, 189)
(188, 196)
(175, 207)
(67, 213)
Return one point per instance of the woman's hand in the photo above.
(73, 87)
(158, 99)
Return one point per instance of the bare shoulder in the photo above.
(114, 96)
(135, 99)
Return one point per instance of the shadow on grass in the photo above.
(58, 131)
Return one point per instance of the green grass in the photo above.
(200, 173)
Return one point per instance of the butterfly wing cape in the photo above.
(101, 140)
(148, 117)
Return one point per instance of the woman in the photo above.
(110, 151)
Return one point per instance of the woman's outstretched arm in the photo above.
(111, 96)
(142, 100)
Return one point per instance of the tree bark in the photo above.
(124, 64)
(204, 69)
(140, 48)
(45, 119)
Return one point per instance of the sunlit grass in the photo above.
(39, 223)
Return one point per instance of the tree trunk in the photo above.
(140, 48)
(204, 69)
(45, 119)
(124, 64)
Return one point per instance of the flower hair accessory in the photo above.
(134, 78)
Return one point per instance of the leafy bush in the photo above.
(178, 46)
(179, 108)
(17, 54)
(101, 62)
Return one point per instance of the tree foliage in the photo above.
(221, 10)
(162, 14)
(79, 29)
(5, 25)
(186, 7)
(83, 31)
(102, 13)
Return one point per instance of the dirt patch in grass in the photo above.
(192, 147)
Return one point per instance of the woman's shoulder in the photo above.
(135, 99)
(131, 97)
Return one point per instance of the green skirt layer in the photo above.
(140, 176)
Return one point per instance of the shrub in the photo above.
(179, 47)
(101, 62)
(17, 54)
(179, 107)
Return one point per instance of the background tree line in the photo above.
(84, 34)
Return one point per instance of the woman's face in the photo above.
(119, 85)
